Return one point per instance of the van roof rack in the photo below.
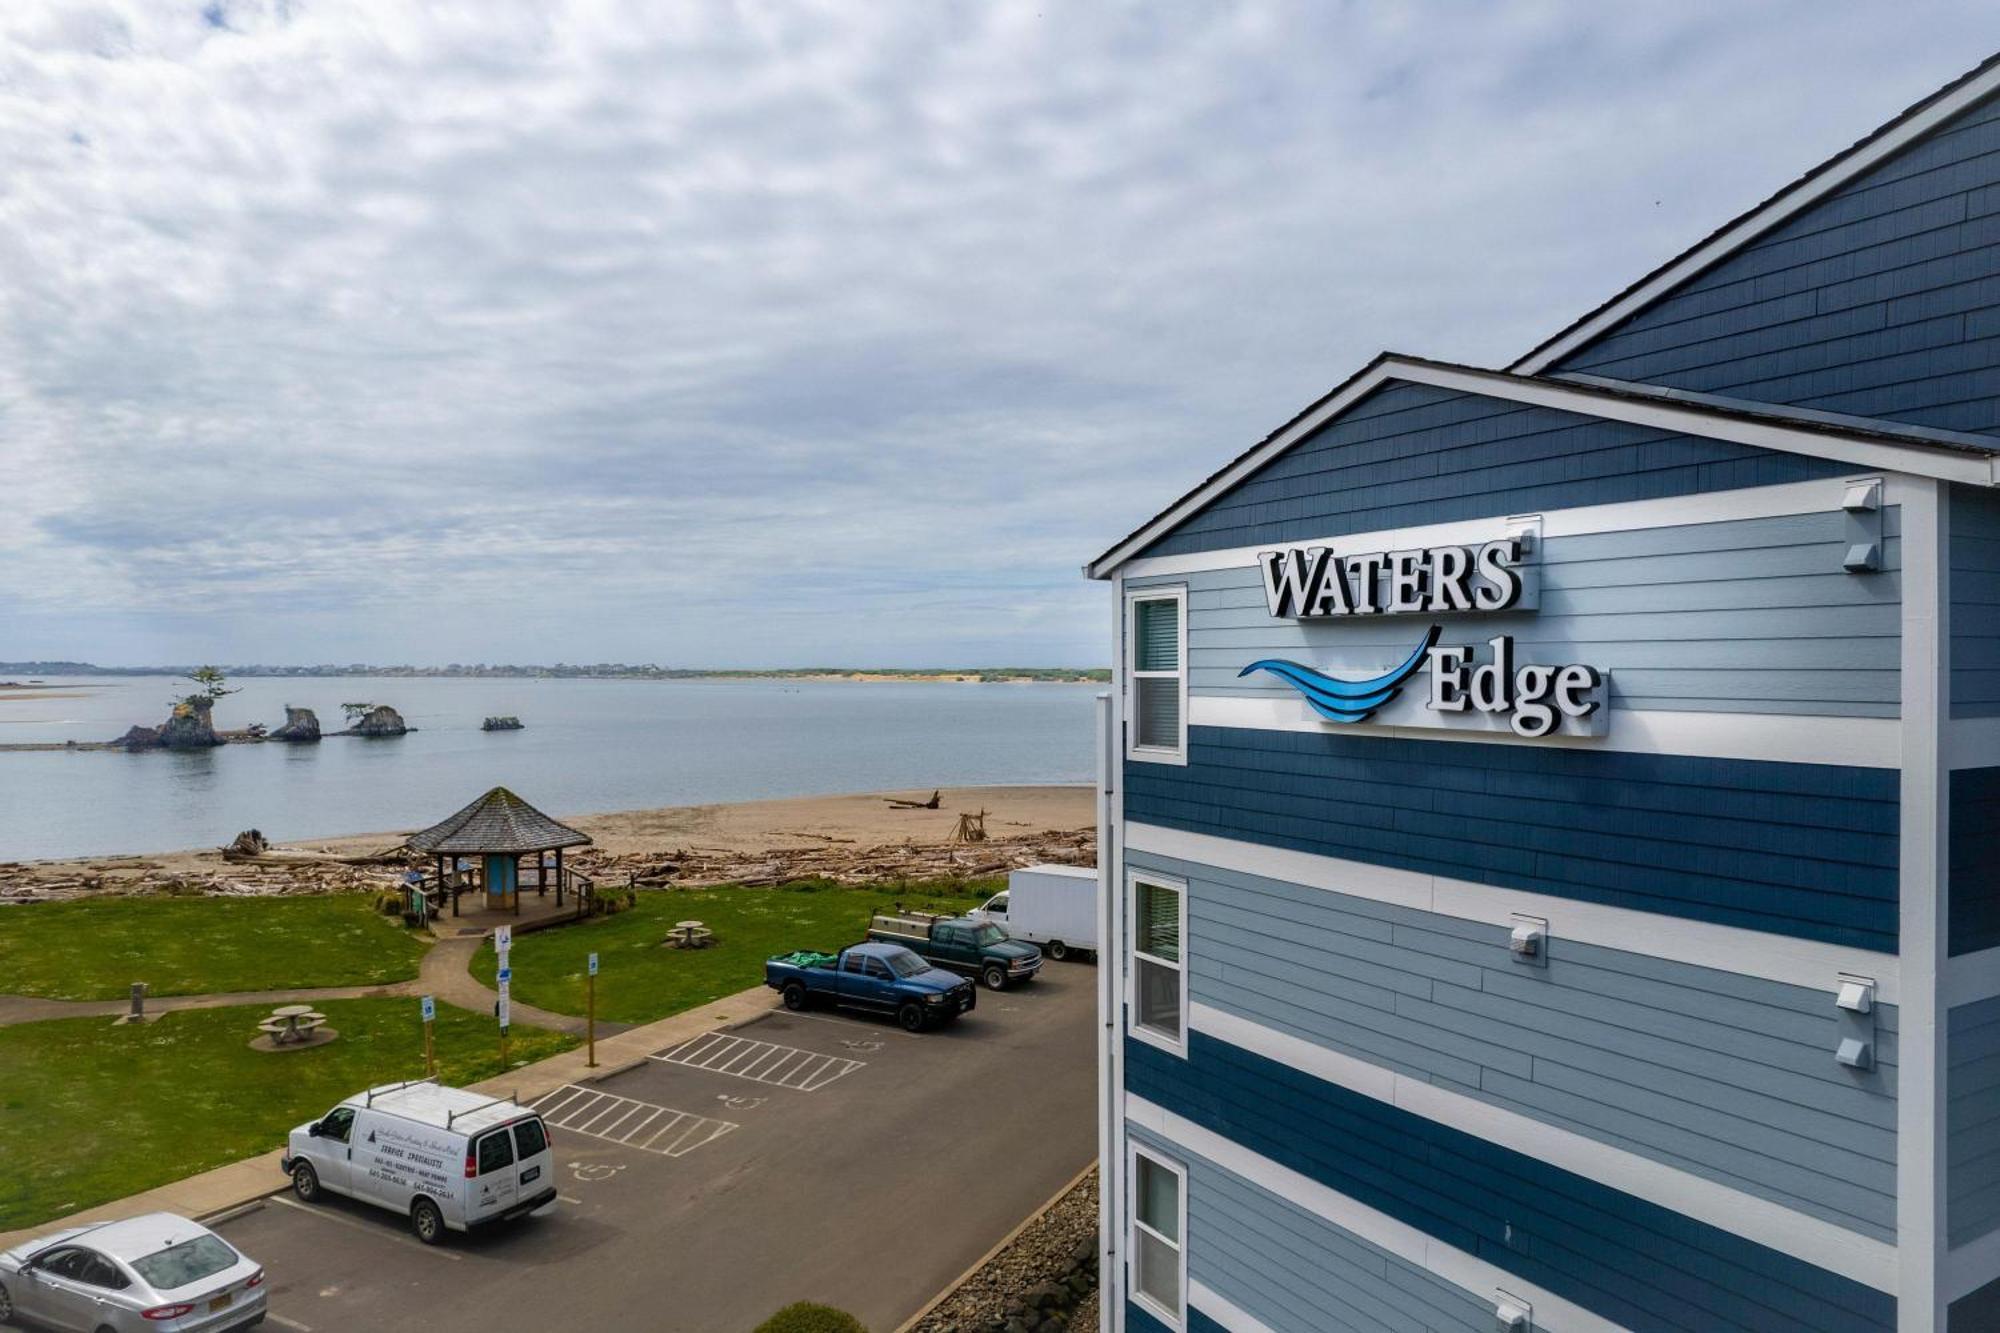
(369, 1099)
(512, 1099)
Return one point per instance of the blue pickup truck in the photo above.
(881, 978)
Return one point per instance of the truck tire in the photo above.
(912, 1016)
(995, 977)
(796, 998)
(426, 1220)
(1056, 949)
(305, 1182)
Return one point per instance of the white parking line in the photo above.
(760, 1061)
(370, 1229)
(615, 1119)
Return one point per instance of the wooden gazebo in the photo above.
(497, 830)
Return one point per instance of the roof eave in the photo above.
(1742, 426)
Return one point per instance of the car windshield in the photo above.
(992, 934)
(906, 964)
(190, 1261)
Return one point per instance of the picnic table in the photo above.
(290, 1024)
(690, 935)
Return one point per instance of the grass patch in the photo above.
(101, 1111)
(95, 948)
(639, 980)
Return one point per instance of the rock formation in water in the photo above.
(190, 727)
(139, 738)
(508, 723)
(381, 720)
(301, 724)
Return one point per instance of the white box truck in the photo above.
(1053, 906)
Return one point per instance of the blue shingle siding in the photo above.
(1974, 804)
(1882, 300)
(1806, 850)
(1972, 1121)
(1630, 1261)
(1976, 1311)
(1729, 1077)
(1295, 1272)
(1749, 615)
(1975, 603)
(1410, 454)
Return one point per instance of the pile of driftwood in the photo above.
(830, 858)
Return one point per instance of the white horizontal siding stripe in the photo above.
(1803, 1237)
(1223, 1311)
(1857, 742)
(1552, 1312)
(1969, 978)
(1971, 742)
(1752, 953)
(1969, 1267)
(1797, 497)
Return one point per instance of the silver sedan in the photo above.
(153, 1274)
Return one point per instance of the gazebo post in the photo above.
(516, 894)
(559, 877)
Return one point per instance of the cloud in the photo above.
(770, 333)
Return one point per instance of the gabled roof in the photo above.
(498, 823)
(1950, 101)
(1884, 447)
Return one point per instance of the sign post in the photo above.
(503, 941)
(590, 1009)
(430, 1052)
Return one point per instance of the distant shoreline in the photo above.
(1012, 675)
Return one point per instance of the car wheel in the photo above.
(911, 1016)
(995, 977)
(1057, 950)
(427, 1221)
(305, 1182)
(795, 995)
(6, 1304)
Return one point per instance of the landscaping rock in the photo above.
(1031, 1286)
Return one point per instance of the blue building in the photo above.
(1550, 814)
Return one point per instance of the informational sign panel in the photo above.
(503, 939)
(502, 1008)
(593, 965)
(430, 1009)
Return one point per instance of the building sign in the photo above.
(1481, 687)
(1318, 582)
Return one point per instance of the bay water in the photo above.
(588, 746)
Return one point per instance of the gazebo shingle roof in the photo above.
(498, 823)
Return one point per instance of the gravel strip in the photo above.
(1044, 1282)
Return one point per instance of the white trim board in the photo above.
(1752, 953)
(1552, 1312)
(1674, 511)
(1863, 451)
(1223, 1310)
(1859, 742)
(1969, 1267)
(1968, 979)
(1972, 742)
(1810, 1239)
(1836, 172)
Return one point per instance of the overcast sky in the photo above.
(776, 334)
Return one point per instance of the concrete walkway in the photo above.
(447, 975)
(32, 1009)
(242, 1183)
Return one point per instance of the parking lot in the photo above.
(815, 1156)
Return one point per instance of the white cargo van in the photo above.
(445, 1158)
(1053, 906)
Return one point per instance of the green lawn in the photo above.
(639, 980)
(95, 948)
(90, 1112)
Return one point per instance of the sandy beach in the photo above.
(861, 835)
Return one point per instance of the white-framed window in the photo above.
(1159, 1227)
(1156, 970)
(1156, 667)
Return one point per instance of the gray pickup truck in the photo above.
(973, 948)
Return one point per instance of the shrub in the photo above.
(389, 902)
(805, 1317)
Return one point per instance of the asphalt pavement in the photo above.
(819, 1156)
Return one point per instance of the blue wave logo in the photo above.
(1339, 700)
